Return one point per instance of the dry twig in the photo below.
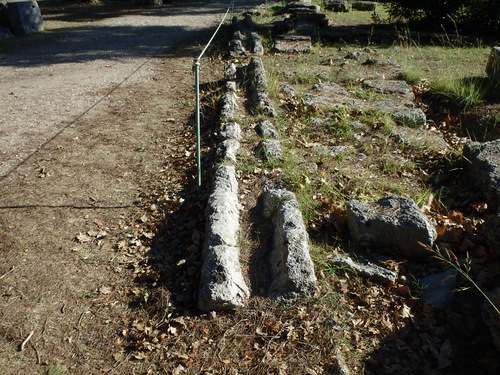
(21, 348)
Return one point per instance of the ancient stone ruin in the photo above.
(20, 17)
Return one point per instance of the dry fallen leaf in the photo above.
(83, 238)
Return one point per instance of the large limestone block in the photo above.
(393, 223)
(292, 43)
(24, 17)
(493, 67)
(222, 286)
(293, 269)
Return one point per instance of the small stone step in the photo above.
(292, 43)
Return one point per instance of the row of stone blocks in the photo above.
(222, 284)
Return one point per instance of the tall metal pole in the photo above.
(198, 132)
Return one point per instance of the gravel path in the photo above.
(49, 83)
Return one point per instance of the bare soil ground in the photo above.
(96, 116)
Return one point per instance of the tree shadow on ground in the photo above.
(101, 40)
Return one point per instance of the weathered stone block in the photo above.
(394, 223)
(222, 285)
(364, 5)
(266, 129)
(24, 17)
(292, 43)
(227, 151)
(230, 130)
(269, 149)
(292, 267)
(338, 5)
(485, 169)
(369, 270)
(493, 67)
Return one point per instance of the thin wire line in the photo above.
(42, 146)
(216, 31)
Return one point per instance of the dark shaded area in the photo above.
(99, 41)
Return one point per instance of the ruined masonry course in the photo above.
(222, 286)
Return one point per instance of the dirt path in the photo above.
(95, 111)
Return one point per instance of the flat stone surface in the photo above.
(393, 223)
(397, 88)
(438, 288)
(292, 43)
(420, 138)
(338, 5)
(369, 270)
(364, 5)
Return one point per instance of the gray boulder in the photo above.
(228, 105)
(230, 72)
(257, 73)
(260, 103)
(485, 169)
(364, 5)
(256, 46)
(24, 17)
(412, 117)
(269, 149)
(338, 5)
(394, 223)
(292, 267)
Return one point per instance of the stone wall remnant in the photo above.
(293, 269)
(292, 43)
(341, 6)
(368, 6)
(222, 286)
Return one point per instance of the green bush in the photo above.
(480, 17)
